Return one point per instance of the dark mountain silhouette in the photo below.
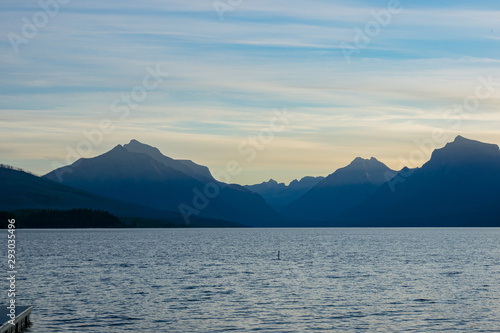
(188, 167)
(278, 195)
(340, 191)
(140, 174)
(458, 186)
(22, 191)
(74, 218)
(126, 176)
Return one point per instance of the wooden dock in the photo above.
(20, 323)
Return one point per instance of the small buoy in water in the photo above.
(278, 255)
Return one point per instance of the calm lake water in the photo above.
(219, 280)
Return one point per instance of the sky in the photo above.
(285, 88)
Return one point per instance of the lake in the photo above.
(220, 280)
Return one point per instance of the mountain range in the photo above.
(458, 186)
(24, 191)
(140, 174)
(278, 195)
(344, 189)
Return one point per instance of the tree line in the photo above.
(74, 218)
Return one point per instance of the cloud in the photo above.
(227, 77)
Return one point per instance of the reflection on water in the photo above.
(217, 280)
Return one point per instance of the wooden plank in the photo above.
(21, 322)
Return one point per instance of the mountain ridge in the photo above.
(188, 167)
(458, 186)
(339, 191)
(279, 195)
(140, 174)
(450, 189)
(22, 190)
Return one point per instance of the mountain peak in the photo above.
(135, 144)
(359, 171)
(118, 149)
(186, 166)
(358, 161)
(464, 143)
(362, 163)
(460, 140)
(305, 182)
(464, 151)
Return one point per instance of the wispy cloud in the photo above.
(226, 77)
